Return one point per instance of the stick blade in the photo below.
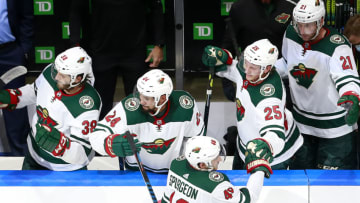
(12, 74)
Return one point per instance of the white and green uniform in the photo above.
(162, 137)
(74, 115)
(188, 185)
(261, 113)
(318, 76)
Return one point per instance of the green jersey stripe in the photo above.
(290, 142)
(80, 139)
(104, 126)
(347, 77)
(246, 193)
(339, 113)
(338, 87)
(322, 124)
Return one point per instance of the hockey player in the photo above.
(67, 110)
(324, 86)
(260, 102)
(193, 176)
(160, 118)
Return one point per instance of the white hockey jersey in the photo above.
(162, 138)
(261, 112)
(185, 184)
(74, 115)
(319, 73)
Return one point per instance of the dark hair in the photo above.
(352, 26)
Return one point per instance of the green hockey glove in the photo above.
(117, 145)
(350, 102)
(51, 139)
(9, 98)
(258, 157)
(216, 57)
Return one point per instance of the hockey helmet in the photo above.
(261, 53)
(155, 83)
(73, 62)
(203, 149)
(308, 11)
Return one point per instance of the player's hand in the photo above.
(117, 145)
(156, 55)
(51, 139)
(216, 57)
(351, 104)
(258, 157)
(9, 98)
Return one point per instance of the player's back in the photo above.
(187, 184)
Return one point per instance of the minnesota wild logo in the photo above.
(240, 111)
(303, 76)
(159, 146)
(161, 80)
(282, 18)
(44, 118)
(81, 60)
(196, 150)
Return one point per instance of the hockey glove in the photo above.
(51, 139)
(351, 103)
(258, 157)
(117, 145)
(9, 98)
(216, 57)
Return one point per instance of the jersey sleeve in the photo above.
(226, 192)
(281, 64)
(196, 125)
(29, 91)
(113, 123)
(271, 124)
(343, 70)
(80, 148)
(232, 73)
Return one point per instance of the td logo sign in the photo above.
(225, 6)
(65, 30)
(203, 31)
(44, 54)
(43, 7)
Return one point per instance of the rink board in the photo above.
(128, 186)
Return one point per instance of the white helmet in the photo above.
(155, 83)
(74, 61)
(203, 149)
(263, 54)
(308, 11)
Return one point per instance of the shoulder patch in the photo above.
(267, 90)
(337, 39)
(186, 102)
(86, 102)
(180, 158)
(216, 176)
(282, 18)
(132, 104)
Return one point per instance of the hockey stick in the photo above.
(12, 74)
(208, 97)
(141, 167)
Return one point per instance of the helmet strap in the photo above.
(159, 107)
